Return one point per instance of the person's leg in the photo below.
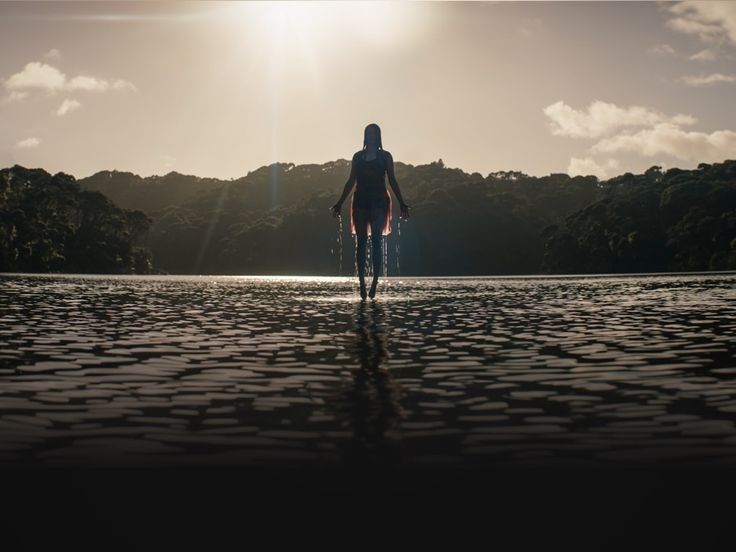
(378, 220)
(361, 234)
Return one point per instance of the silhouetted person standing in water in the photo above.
(370, 213)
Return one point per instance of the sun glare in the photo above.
(334, 24)
(285, 20)
(276, 54)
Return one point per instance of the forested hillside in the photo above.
(276, 220)
(678, 220)
(49, 224)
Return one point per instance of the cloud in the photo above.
(708, 79)
(93, 84)
(68, 106)
(53, 53)
(662, 49)
(670, 139)
(168, 160)
(711, 22)
(120, 84)
(663, 134)
(28, 143)
(707, 54)
(603, 118)
(40, 75)
(37, 75)
(90, 84)
(588, 165)
(707, 33)
(14, 96)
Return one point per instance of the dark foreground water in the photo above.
(246, 371)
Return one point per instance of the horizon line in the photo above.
(156, 175)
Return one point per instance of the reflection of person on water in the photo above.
(370, 212)
(370, 402)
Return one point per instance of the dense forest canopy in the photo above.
(678, 220)
(276, 220)
(49, 224)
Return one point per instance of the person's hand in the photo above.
(336, 208)
(404, 211)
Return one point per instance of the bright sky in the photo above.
(219, 89)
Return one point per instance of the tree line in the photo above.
(276, 220)
(48, 223)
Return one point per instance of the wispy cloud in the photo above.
(588, 165)
(711, 22)
(13, 96)
(68, 106)
(662, 49)
(602, 118)
(93, 84)
(706, 54)
(708, 79)
(53, 53)
(29, 143)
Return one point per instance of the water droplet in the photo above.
(398, 248)
(339, 244)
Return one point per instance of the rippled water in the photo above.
(599, 371)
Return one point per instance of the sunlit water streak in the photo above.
(339, 243)
(268, 370)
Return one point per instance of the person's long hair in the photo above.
(378, 133)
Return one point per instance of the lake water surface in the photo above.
(218, 370)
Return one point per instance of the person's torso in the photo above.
(370, 175)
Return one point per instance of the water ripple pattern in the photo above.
(187, 370)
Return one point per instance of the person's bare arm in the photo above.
(348, 185)
(392, 178)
